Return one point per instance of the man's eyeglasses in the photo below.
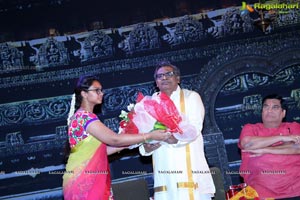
(167, 75)
(97, 90)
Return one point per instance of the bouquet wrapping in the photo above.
(156, 112)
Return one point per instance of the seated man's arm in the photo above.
(250, 138)
(288, 148)
(257, 142)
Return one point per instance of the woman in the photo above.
(87, 171)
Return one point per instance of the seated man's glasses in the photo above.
(167, 75)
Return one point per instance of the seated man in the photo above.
(271, 153)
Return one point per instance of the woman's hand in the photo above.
(159, 135)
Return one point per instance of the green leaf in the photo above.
(159, 126)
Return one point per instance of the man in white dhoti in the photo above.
(180, 169)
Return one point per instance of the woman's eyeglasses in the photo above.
(97, 90)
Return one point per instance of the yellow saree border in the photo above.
(79, 157)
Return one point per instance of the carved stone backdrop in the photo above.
(223, 57)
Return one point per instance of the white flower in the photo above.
(130, 107)
(124, 115)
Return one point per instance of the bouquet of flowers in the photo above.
(154, 113)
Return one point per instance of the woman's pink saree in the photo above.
(87, 174)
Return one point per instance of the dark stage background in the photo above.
(222, 55)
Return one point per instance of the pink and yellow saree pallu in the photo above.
(87, 174)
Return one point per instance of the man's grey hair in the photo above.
(167, 63)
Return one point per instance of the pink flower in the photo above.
(79, 132)
(72, 141)
(74, 123)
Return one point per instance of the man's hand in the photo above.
(255, 152)
(291, 138)
(171, 140)
(151, 147)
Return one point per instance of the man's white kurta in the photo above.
(170, 166)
